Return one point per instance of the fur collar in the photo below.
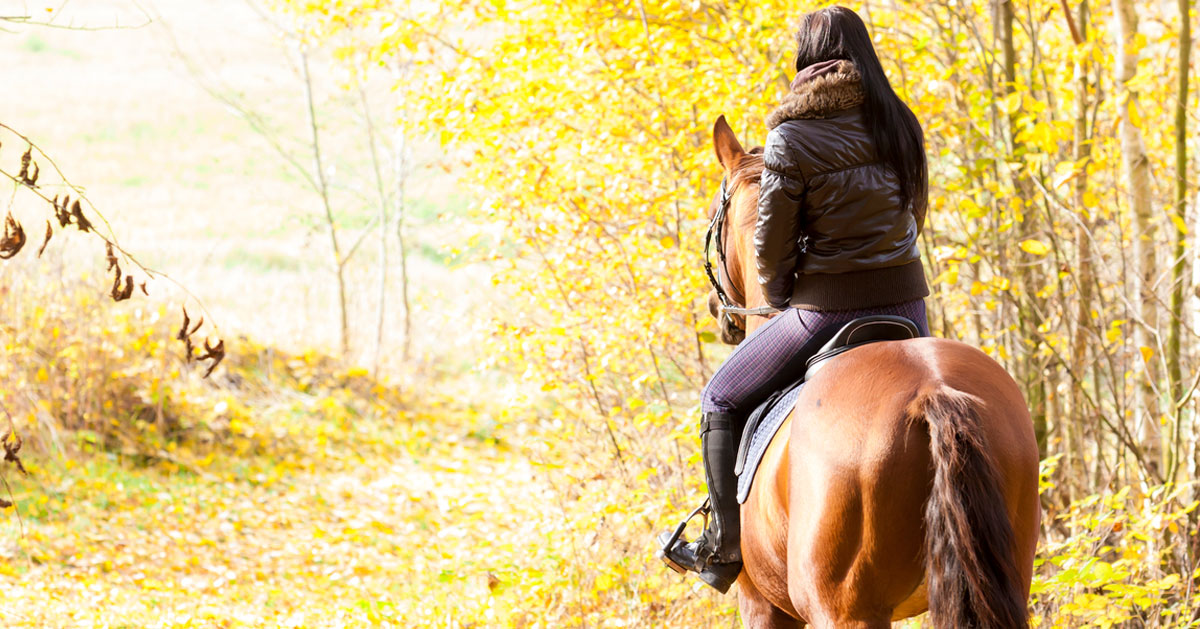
(820, 94)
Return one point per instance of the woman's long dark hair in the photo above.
(838, 33)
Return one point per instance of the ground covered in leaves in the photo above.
(370, 534)
(425, 518)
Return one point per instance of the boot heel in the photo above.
(721, 576)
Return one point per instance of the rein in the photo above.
(718, 226)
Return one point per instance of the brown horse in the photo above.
(905, 480)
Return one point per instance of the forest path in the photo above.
(400, 530)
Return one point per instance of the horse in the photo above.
(904, 481)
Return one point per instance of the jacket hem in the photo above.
(856, 290)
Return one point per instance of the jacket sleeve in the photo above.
(780, 214)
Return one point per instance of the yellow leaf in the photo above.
(1011, 103)
(1034, 247)
(1114, 331)
(1147, 353)
(949, 276)
(1180, 226)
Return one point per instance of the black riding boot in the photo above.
(717, 554)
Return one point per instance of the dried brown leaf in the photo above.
(214, 352)
(60, 211)
(80, 220)
(49, 235)
(14, 238)
(183, 329)
(31, 180)
(25, 159)
(12, 445)
(186, 336)
(111, 257)
(121, 293)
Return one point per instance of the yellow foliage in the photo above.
(1034, 247)
(585, 129)
(1106, 560)
(115, 379)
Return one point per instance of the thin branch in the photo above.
(357, 243)
(110, 239)
(26, 20)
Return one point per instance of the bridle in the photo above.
(727, 308)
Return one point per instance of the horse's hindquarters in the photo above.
(859, 479)
(838, 533)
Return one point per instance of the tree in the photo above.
(1136, 166)
(303, 149)
(1178, 216)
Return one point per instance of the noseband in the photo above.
(717, 227)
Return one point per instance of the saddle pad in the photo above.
(764, 423)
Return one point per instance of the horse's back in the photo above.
(858, 470)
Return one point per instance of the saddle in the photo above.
(765, 420)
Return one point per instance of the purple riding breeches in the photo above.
(774, 356)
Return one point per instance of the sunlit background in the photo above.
(480, 406)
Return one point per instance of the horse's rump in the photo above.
(858, 469)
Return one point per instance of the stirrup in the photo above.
(673, 538)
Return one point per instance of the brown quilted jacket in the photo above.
(832, 232)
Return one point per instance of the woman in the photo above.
(841, 203)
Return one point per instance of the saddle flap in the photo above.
(754, 421)
(770, 416)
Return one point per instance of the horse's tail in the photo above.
(970, 571)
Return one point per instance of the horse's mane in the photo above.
(748, 171)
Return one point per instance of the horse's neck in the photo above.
(747, 260)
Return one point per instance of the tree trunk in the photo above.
(1179, 217)
(1030, 280)
(1083, 272)
(323, 185)
(400, 146)
(1136, 168)
(381, 312)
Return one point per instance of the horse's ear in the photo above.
(729, 150)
